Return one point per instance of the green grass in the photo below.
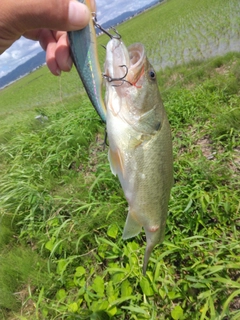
(28, 271)
(62, 211)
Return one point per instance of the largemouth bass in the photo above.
(83, 45)
(140, 143)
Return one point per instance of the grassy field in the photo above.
(62, 211)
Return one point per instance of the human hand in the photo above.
(40, 20)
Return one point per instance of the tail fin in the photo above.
(148, 251)
(154, 235)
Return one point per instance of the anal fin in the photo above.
(132, 226)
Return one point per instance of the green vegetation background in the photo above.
(62, 212)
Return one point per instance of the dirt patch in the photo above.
(223, 70)
(235, 304)
(174, 78)
(94, 149)
(28, 305)
(235, 163)
(206, 147)
(97, 147)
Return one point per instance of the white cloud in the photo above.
(107, 10)
(21, 51)
(2, 73)
(35, 45)
(16, 54)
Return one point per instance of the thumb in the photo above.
(22, 16)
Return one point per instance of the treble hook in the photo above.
(109, 79)
(117, 36)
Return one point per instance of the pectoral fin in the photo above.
(132, 226)
(116, 162)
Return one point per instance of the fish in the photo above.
(83, 45)
(140, 141)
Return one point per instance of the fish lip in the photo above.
(118, 56)
(137, 58)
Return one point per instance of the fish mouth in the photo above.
(137, 58)
(124, 65)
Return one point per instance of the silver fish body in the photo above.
(140, 143)
(83, 44)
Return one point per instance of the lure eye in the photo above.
(152, 74)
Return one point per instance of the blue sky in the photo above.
(24, 49)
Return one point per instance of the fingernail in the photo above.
(78, 14)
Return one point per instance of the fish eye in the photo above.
(152, 74)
